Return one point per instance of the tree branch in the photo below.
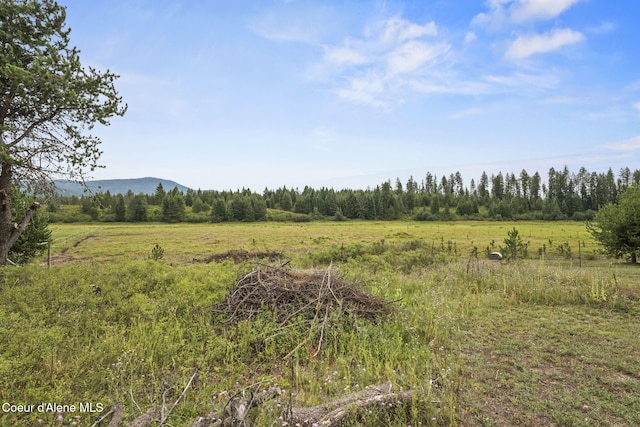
(18, 228)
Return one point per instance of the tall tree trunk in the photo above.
(10, 231)
(6, 223)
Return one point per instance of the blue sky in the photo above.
(226, 94)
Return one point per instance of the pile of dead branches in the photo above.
(291, 293)
(238, 256)
(315, 301)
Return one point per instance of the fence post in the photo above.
(579, 254)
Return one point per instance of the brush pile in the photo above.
(290, 293)
(239, 256)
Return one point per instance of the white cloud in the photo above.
(411, 56)
(528, 10)
(364, 90)
(397, 30)
(496, 17)
(636, 106)
(525, 46)
(546, 80)
(303, 27)
(394, 58)
(631, 144)
(344, 55)
(470, 37)
(503, 12)
(388, 59)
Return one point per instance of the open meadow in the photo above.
(135, 313)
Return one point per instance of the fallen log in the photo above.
(236, 412)
(332, 413)
(145, 420)
(239, 406)
(116, 412)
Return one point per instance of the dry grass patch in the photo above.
(548, 366)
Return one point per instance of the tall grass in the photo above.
(152, 326)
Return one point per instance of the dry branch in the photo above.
(146, 419)
(116, 412)
(332, 413)
(166, 416)
(240, 405)
(236, 413)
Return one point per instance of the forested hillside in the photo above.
(561, 194)
(114, 186)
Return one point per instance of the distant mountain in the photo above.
(146, 185)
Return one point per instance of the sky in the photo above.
(231, 94)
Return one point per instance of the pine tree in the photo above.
(219, 210)
(120, 209)
(617, 226)
(137, 209)
(173, 206)
(49, 103)
(33, 241)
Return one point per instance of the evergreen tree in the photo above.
(49, 103)
(534, 191)
(198, 205)
(241, 208)
(90, 207)
(351, 206)
(259, 208)
(483, 189)
(303, 204)
(137, 211)
(159, 196)
(330, 203)
(286, 203)
(410, 195)
(435, 204)
(120, 209)
(33, 241)
(617, 226)
(551, 210)
(467, 207)
(388, 202)
(219, 210)
(497, 186)
(516, 247)
(524, 184)
(173, 206)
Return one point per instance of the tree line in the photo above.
(560, 195)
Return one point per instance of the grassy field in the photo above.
(548, 340)
(184, 242)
